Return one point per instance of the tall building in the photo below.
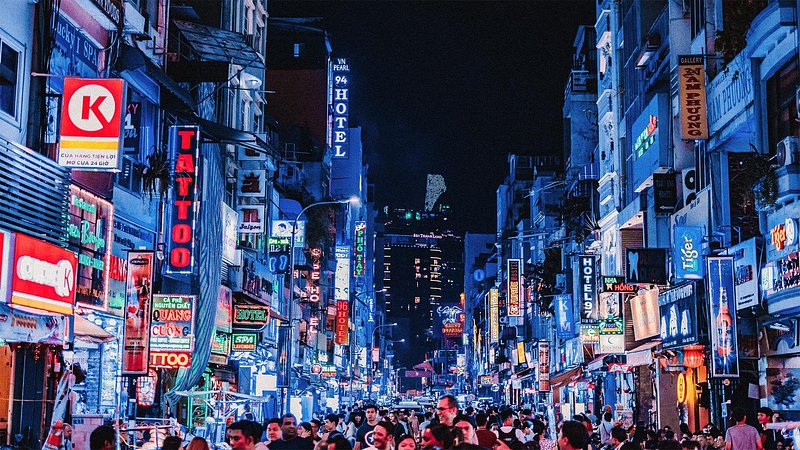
(423, 271)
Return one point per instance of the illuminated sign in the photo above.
(687, 254)
(221, 344)
(283, 228)
(645, 314)
(521, 357)
(646, 138)
(745, 263)
(43, 275)
(692, 76)
(514, 295)
(494, 315)
(544, 366)
(359, 249)
(722, 312)
(184, 140)
(91, 123)
(778, 236)
(342, 279)
(590, 334)
(250, 315)
(341, 108)
(565, 321)
(224, 309)
(252, 183)
(588, 288)
(126, 236)
(251, 219)
(342, 325)
(136, 343)
(312, 284)
(90, 229)
(681, 388)
(678, 310)
(486, 380)
(230, 223)
(452, 330)
(172, 324)
(279, 254)
(617, 285)
(170, 360)
(244, 342)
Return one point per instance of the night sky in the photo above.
(451, 88)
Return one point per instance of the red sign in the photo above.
(453, 329)
(136, 343)
(171, 360)
(617, 367)
(312, 286)
(342, 322)
(91, 123)
(185, 143)
(43, 275)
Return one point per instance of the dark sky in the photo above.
(451, 88)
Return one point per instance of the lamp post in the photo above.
(290, 314)
(372, 345)
(352, 338)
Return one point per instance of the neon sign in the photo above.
(359, 249)
(646, 137)
(342, 322)
(312, 288)
(514, 288)
(184, 140)
(341, 108)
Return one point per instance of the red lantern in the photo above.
(693, 356)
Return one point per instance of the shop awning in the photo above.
(596, 364)
(641, 355)
(214, 44)
(566, 377)
(88, 331)
(131, 58)
(222, 134)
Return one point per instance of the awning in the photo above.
(596, 364)
(88, 331)
(641, 355)
(566, 377)
(131, 58)
(214, 44)
(222, 134)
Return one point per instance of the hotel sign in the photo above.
(341, 108)
(514, 294)
(342, 324)
(588, 288)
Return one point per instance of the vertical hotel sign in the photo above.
(722, 311)
(494, 315)
(342, 322)
(341, 108)
(359, 249)
(588, 288)
(136, 349)
(514, 294)
(184, 141)
(694, 118)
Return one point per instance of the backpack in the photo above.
(510, 439)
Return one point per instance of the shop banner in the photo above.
(230, 224)
(616, 284)
(19, 326)
(494, 315)
(74, 54)
(342, 325)
(360, 249)
(342, 279)
(587, 274)
(722, 309)
(745, 271)
(687, 252)
(514, 288)
(172, 330)
(224, 310)
(184, 207)
(692, 80)
(43, 275)
(646, 265)
(544, 366)
(565, 316)
(90, 232)
(283, 228)
(137, 313)
(244, 342)
(678, 311)
(645, 314)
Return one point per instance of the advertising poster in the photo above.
(127, 236)
(745, 273)
(646, 265)
(171, 330)
(565, 316)
(587, 274)
(645, 314)
(283, 228)
(37, 329)
(678, 311)
(342, 279)
(687, 252)
(514, 288)
(282, 376)
(544, 366)
(74, 54)
(224, 310)
(230, 223)
(722, 310)
(135, 355)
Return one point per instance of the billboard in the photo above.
(678, 311)
(43, 275)
(745, 273)
(91, 123)
(692, 81)
(587, 273)
(171, 330)
(136, 342)
(722, 312)
(514, 288)
(184, 141)
(687, 252)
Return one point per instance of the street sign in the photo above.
(91, 123)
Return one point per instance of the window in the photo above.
(781, 106)
(298, 49)
(698, 14)
(130, 177)
(9, 80)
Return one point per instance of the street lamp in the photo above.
(353, 201)
(372, 345)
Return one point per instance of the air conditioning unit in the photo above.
(788, 151)
(689, 184)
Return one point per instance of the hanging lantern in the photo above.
(693, 356)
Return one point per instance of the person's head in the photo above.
(690, 445)
(315, 425)
(67, 431)
(669, 435)
(437, 435)
(738, 415)
(103, 438)
(357, 418)
(481, 420)
(573, 435)
(171, 443)
(198, 443)
(618, 435)
(764, 415)
(243, 435)
(371, 412)
(393, 417)
(607, 416)
(274, 432)
(383, 435)
(406, 442)
(288, 426)
(304, 430)
(507, 417)
(338, 443)
(447, 409)
(464, 424)
(331, 421)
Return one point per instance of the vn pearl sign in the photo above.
(340, 136)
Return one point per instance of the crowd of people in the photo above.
(447, 427)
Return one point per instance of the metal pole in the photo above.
(290, 313)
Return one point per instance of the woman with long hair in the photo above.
(197, 443)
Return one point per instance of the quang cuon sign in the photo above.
(184, 141)
(692, 76)
(171, 330)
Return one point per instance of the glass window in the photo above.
(781, 106)
(9, 69)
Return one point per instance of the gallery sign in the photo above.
(341, 108)
(172, 328)
(360, 249)
(687, 252)
(184, 142)
(43, 275)
(722, 311)
(678, 311)
(91, 123)
(514, 288)
(692, 81)
(646, 265)
(90, 231)
(587, 269)
(136, 343)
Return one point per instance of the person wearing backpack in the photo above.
(512, 437)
